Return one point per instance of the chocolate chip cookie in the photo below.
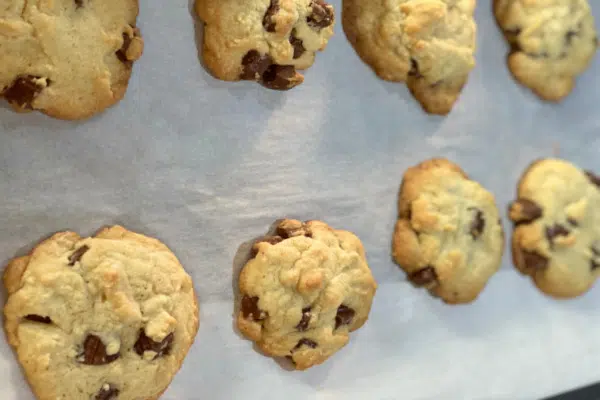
(305, 288)
(552, 42)
(106, 317)
(266, 41)
(69, 59)
(448, 237)
(556, 238)
(429, 44)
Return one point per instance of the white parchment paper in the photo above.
(206, 165)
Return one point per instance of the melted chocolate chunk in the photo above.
(77, 254)
(264, 239)
(286, 231)
(23, 91)
(572, 222)
(306, 342)
(122, 52)
(38, 318)
(297, 45)
(414, 69)
(107, 392)
(344, 316)
(477, 225)
(162, 348)
(322, 15)
(250, 309)
(533, 260)
(280, 77)
(78, 3)
(94, 352)
(595, 179)
(423, 276)
(268, 20)
(554, 231)
(594, 264)
(303, 324)
(569, 36)
(529, 211)
(254, 65)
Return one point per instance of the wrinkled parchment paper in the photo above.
(206, 165)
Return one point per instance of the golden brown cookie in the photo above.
(553, 41)
(556, 239)
(107, 317)
(448, 237)
(264, 40)
(429, 44)
(305, 289)
(69, 59)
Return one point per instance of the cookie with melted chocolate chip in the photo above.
(448, 237)
(428, 44)
(69, 59)
(106, 317)
(552, 42)
(556, 239)
(304, 290)
(266, 41)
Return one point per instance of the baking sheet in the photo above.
(206, 165)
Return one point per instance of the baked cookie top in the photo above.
(429, 44)
(98, 317)
(67, 58)
(448, 237)
(552, 42)
(556, 239)
(264, 40)
(304, 290)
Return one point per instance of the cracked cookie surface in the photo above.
(305, 289)
(69, 59)
(556, 238)
(448, 237)
(106, 317)
(553, 41)
(264, 40)
(429, 44)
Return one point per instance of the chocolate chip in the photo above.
(144, 343)
(512, 31)
(38, 318)
(306, 342)
(254, 65)
(594, 265)
(477, 225)
(322, 15)
(572, 221)
(107, 392)
(77, 254)
(264, 239)
(533, 260)
(524, 211)
(94, 352)
(554, 231)
(250, 309)
(303, 324)
(122, 52)
(268, 20)
(344, 316)
(569, 36)
(595, 179)
(78, 3)
(414, 69)
(287, 230)
(281, 77)
(423, 276)
(24, 90)
(297, 45)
